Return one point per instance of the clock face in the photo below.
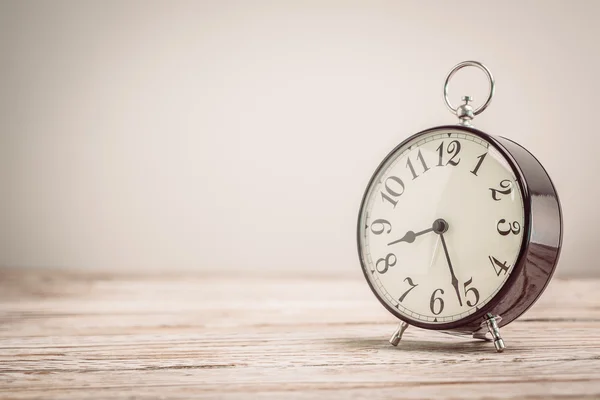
(441, 227)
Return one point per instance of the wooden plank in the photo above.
(84, 335)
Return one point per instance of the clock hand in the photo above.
(439, 225)
(454, 280)
(410, 236)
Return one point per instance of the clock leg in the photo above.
(397, 335)
(492, 325)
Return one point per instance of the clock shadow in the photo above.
(416, 345)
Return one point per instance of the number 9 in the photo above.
(381, 225)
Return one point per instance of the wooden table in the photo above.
(92, 335)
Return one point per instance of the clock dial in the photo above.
(441, 226)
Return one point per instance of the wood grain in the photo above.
(66, 334)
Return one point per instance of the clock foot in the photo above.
(492, 325)
(397, 335)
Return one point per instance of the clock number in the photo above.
(438, 300)
(481, 158)
(412, 286)
(412, 169)
(502, 266)
(505, 188)
(393, 190)
(474, 291)
(514, 227)
(381, 223)
(453, 148)
(389, 261)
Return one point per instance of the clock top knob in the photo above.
(464, 112)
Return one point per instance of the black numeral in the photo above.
(453, 148)
(394, 187)
(412, 286)
(514, 227)
(412, 169)
(471, 290)
(481, 158)
(381, 224)
(505, 188)
(388, 261)
(501, 266)
(436, 300)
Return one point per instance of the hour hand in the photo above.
(410, 236)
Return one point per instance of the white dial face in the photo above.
(441, 226)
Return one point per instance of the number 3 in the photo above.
(514, 228)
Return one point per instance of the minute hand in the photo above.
(454, 280)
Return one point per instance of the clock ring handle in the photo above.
(465, 112)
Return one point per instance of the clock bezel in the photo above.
(521, 258)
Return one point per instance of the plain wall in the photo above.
(222, 135)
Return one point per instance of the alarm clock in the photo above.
(459, 230)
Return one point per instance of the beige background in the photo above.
(219, 135)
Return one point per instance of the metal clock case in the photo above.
(503, 230)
